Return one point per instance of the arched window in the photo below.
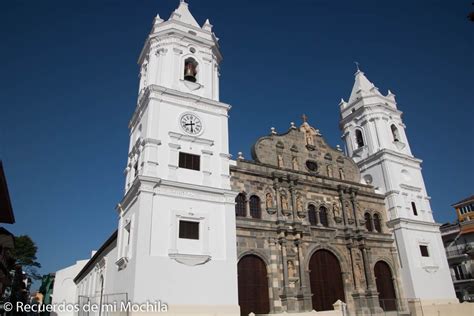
(323, 216)
(190, 69)
(395, 134)
(240, 205)
(377, 224)
(312, 215)
(413, 207)
(359, 138)
(255, 209)
(368, 222)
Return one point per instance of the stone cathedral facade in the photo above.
(298, 227)
(318, 234)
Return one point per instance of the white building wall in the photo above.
(149, 262)
(65, 290)
(389, 166)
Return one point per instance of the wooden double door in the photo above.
(384, 281)
(326, 280)
(253, 286)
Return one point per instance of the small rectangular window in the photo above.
(424, 251)
(188, 230)
(413, 207)
(189, 161)
(127, 234)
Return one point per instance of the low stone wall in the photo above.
(449, 309)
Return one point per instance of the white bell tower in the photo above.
(375, 138)
(177, 236)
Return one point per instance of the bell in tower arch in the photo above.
(190, 69)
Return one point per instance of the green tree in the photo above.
(25, 255)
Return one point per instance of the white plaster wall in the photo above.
(158, 277)
(395, 172)
(429, 276)
(65, 290)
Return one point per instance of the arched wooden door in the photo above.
(383, 279)
(253, 286)
(326, 280)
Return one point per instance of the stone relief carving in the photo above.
(284, 202)
(291, 269)
(269, 200)
(330, 174)
(295, 164)
(299, 203)
(280, 161)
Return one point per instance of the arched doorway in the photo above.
(383, 279)
(253, 286)
(326, 280)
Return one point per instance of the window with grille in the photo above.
(323, 216)
(377, 223)
(255, 210)
(189, 161)
(240, 205)
(368, 222)
(189, 230)
(312, 215)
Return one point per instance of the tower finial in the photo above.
(357, 65)
(305, 118)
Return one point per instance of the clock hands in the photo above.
(192, 126)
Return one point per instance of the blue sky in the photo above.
(69, 81)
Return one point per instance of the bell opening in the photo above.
(190, 70)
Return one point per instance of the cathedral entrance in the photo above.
(326, 280)
(383, 279)
(253, 286)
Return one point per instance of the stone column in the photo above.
(247, 206)
(284, 293)
(276, 187)
(293, 199)
(353, 193)
(318, 217)
(371, 293)
(340, 188)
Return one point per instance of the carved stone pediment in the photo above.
(295, 148)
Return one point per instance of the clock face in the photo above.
(191, 124)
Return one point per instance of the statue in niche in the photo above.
(280, 161)
(309, 138)
(294, 161)
(284, 202)
(291, 269)
(336, 209)
(358, 208)
(341, 174)
(348, 208)
(269, 200)
(330, 175)
(299, 204)
(359, 271)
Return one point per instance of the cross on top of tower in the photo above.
(305, 118)
(357, 65)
